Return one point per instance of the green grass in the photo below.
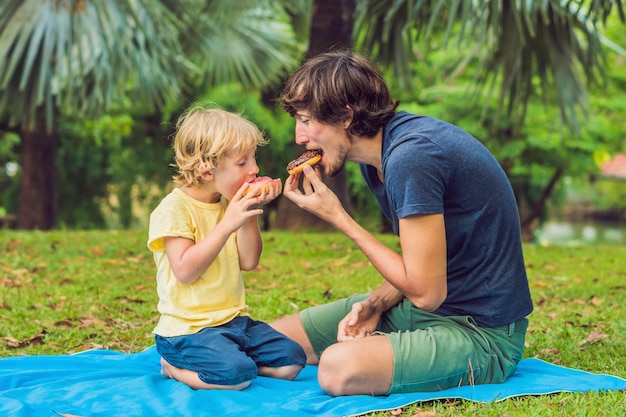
(64, 292)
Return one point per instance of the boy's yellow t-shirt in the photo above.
(218, 295)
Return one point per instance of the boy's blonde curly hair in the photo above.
(205, 135)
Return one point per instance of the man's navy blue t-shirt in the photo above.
(430, 166)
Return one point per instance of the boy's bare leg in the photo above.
(191, 378)
(288, 372)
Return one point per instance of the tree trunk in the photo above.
(530, 217)
(37, 202)
(331, 25)
(331, 28)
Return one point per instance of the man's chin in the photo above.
(333, 172)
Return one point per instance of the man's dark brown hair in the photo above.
(331, 84)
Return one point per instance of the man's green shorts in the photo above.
(431, 352)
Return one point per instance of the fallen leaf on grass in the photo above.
(10, 283)
(86, 347)
(593, 337)
(596, 301)
(135, 259)
(36, 339)
(131, 300)
(551, 354)
(87, 322)
(425, 413)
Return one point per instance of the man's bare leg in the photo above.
(291, 326)
(361, 366)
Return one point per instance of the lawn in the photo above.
(69, 291)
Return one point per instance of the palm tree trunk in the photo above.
(37, 205)
(331, 28)
(529, 219)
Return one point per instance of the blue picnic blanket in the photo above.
(108, 383)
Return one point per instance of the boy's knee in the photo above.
(288, 372)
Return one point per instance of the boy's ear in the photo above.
(205, 173)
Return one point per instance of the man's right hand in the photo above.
(315, 196)
(360, 322)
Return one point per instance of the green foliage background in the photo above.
(111, 171)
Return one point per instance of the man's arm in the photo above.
(418, 273)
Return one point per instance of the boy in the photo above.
(202, 235)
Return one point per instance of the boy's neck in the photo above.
(202, 192)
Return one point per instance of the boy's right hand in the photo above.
(245, 205)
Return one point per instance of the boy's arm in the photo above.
(249, 244)
(249, 239)
(189, 260)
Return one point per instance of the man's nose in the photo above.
(301, 138)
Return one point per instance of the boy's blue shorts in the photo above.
(231, 353)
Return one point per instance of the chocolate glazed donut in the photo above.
(311, 157)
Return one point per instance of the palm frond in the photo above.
(554, 41)
(255, 46)
(81, 56)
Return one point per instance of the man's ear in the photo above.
(348, 121)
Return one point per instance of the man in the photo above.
(452, 308)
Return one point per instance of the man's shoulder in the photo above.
(405, 125)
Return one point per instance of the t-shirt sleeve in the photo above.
(169, 219)
(415, 178)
